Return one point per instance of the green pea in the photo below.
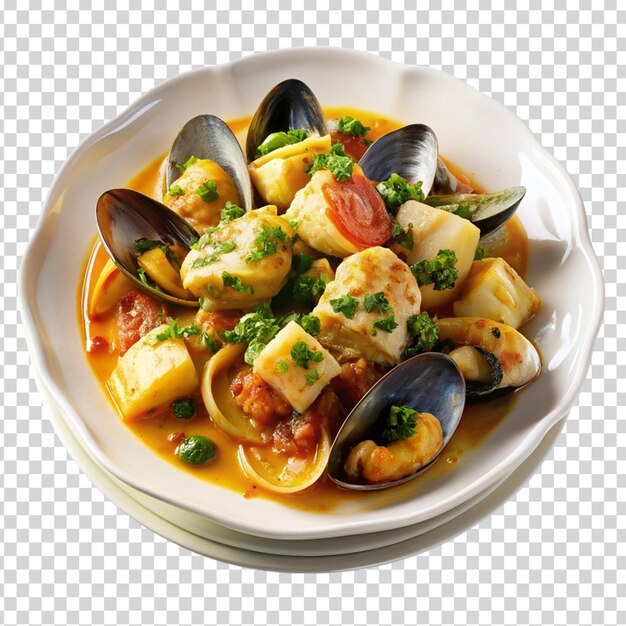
(183, 409)
(195, 450)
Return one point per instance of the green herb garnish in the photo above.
(376, 302)
(351, 126)
(301, 263)
(208, 190)
(177, 332)
(144, 245)
(308, 289)
(279, 140)
(267, 242)
(346, 305)
(425, 333)
(230, 212)
(176, 190)
(311, 324)
(183, 409)
(281, 366)
(396, 190)
(312, 377)
(336, 161)
(401, 424)
(183, 166)
(301, 354)
(440, 271)
(387, 324)
(479, 255)
(235, 282)
(145, 279)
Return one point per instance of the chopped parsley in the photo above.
(293, 224)
(230, 212)
(336, 161)
(440, 271)
(183, 409)
(401, 423)
(208, 190)
(174, 331)
(281, 366)
(219, 248)
(235, 282)
(351, 126)
(312, 377)
(176, 190)
(311, 324)
(144, 245)
(301, 263)
(396, 190)
(425, 333)
(387, 324)
(403, 238)
(266, 242)
(301, 354)
(144, 278)
(479, 255)
(345, 305)
(308, 288)
(376, 302)
(279, 140)
(210, 343)
(183, 166)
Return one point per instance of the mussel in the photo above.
(488, 211)
(125, 217)
(208, 137)
(510, 360)
(290, 105)
(413, 384)
(413, 153)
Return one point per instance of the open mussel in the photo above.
(430, 383)
(289, 106)
(488, 211)
(147, 241)
(411, 152)
(208, 138)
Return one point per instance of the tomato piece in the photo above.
(98, 345)
(352, 144)
(137, 314)
(358, 211)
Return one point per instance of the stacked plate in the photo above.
(474, 132)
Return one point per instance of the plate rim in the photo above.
(579, 230)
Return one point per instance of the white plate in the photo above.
(474, 131)
(296, 556)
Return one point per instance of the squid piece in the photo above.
(382, 464)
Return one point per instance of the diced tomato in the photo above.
(358, 211)
(352, 144)
(257, 399)
(221, 320)
(137, 314)
(98, 345)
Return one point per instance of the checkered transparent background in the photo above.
(554, 554)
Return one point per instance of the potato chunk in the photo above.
(353, 333)
(152, 374)
(195, 203)
(496, 291)
(242, 263)
(288, 376)
(434, 230)
(277, 176)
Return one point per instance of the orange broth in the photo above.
(224, 470)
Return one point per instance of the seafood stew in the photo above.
(239, 350)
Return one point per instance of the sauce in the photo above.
(161, 431)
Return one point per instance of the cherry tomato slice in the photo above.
(352, 144)
(358, 211)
